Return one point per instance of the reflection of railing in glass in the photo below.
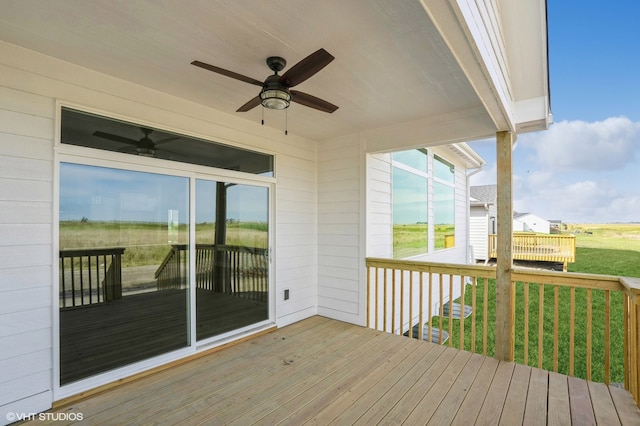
(90, 276)
(235, 270)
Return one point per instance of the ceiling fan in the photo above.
(276, 90)
(144, 146)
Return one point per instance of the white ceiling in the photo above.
(391, 64)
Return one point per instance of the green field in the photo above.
(412, 239)
(608, 250)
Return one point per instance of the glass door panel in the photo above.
(123, 285)
(232, 266)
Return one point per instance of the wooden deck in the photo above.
(321, 371)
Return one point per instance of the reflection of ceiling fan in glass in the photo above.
(144, 147)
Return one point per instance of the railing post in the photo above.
(504, 250)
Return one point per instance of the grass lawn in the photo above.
(609, 250)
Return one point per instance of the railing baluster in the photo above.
(410, 304)
(572, 331)
(526, 323)
(607, 336)
(474, 284)
(485, 315)
(540, 322)
(450, 310)
(588, 349)
(556, 314)
(461, 312)
(441, 304)
(393, 300)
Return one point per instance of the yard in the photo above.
(606, 250)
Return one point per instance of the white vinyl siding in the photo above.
(26, 175)
(479, 232)
(340, 215)
(30, 87)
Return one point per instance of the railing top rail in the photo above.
(91, 251)
(536, 234)
(632, 284)
(567, 279)
(443, 268)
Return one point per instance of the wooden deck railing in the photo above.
(563, 321)
(539, 247)
(90, 276)
(237, 270)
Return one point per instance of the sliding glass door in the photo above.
(123, 285)
(132, 283)
(232, 265)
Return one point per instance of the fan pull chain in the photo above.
(286, 121)
(262, 109)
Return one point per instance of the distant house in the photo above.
(529, 222)
(555, 226)
(482, 219)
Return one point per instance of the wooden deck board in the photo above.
(321, 371)
(558, 405)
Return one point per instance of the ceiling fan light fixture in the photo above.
(275, 98)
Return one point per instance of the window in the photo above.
(413, 220)
(93, 131)
(443, 204)
(410, 204)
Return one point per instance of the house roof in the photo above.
(486, 194)
(422, 69)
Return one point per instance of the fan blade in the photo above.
(306, 68)
(116, 138)
(312, 102)
(227, 73)
(250, 105)
(166, 140)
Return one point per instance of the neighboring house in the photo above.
(529, 222)
(482, 219)
(555, 226)
(108, 133)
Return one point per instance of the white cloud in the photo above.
(578, 145)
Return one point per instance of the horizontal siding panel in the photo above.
(26, 147)
(338, 196)
(24, 124)
(339, 186)
(27, 234)
(338, 283)
(347, 262)
(340, 228)
(24, 321)
(34, 362)
(340, 174)
(327, 305)
(26, 103)
(24, 387)
(339, 240)
(23, 256)
(333, 218)
(288, 217)
(25, 212)
(25, 299)
(337, 272)
(23, 278)
(293, 195)
(348, 251)
(25, 190)
(343, 295)
(25, 343)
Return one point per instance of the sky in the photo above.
(586, 167)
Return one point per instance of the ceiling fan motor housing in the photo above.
(274, 95)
